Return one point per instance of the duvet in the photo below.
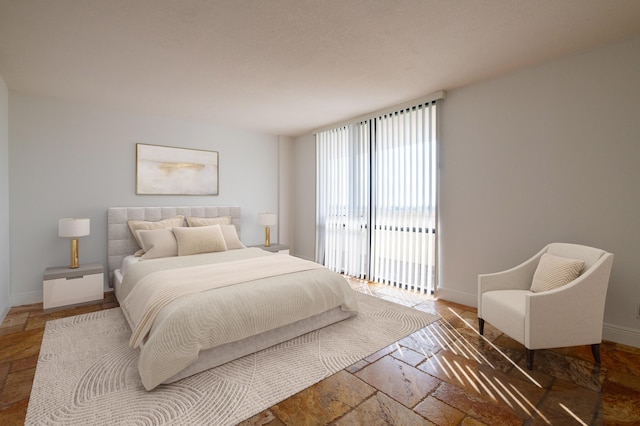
(178, 306)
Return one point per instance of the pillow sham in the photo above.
(230, 234)
(139, 225)
(208, 221)
(158, 243)
(201, 239)
(555, 271)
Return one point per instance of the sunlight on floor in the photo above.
(524, 373)
(564, 407)
(450, 338)
(476, 378)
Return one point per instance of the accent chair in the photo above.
(554, 299)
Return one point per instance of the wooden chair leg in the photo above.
(530, 359)
(481, 325)
(595, 350)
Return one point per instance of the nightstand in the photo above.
(275, 248)
(63, 286)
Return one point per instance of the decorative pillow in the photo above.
(555, 271)
(201, 239)
(208, 221)
(230, 234)
(139, 225)
(158, 243)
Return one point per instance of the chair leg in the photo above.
(530, 359)
(595, 350)
(481, 325)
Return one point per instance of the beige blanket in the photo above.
(158, 289)
(139, 270)
(231, 301)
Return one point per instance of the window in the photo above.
(376, 198)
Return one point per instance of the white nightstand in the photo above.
(275, 248)
(63, 286)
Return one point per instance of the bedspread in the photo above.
(226, 306)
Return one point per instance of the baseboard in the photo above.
(4, 310)
(619, 334)
(26, 298)
(455, 296)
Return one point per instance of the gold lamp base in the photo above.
(75, 254)
(267, 237)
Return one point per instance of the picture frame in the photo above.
(165, 170)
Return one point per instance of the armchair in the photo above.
(568, 315)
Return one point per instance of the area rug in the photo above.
(87, 373)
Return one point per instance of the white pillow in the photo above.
(208, 221)
(230, 234)
(201, 239)
(139, 225)
(555, 271)
(158, 243)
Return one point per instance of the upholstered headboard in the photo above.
(120, 240)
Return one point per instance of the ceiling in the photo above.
(285, 67)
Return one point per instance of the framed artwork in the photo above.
(165, 170)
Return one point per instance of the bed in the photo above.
(193, 304)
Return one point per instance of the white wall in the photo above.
(304, 155)
(69, 159)
(5, 285)
(550, 153)
(285, 193)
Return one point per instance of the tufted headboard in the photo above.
(120, 240)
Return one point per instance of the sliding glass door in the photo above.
(376, 198)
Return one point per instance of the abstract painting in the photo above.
(175, 171)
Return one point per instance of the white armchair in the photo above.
(569, 315)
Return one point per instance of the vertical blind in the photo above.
(343, 199)
(376, 198)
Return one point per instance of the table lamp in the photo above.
(267, 220)
(73, 228)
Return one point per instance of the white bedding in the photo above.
(128, 261)
(199, 321)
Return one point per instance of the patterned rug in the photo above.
(87, 374)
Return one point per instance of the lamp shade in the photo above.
(72, 227)
(267, 219)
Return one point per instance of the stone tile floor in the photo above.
(444, 374)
